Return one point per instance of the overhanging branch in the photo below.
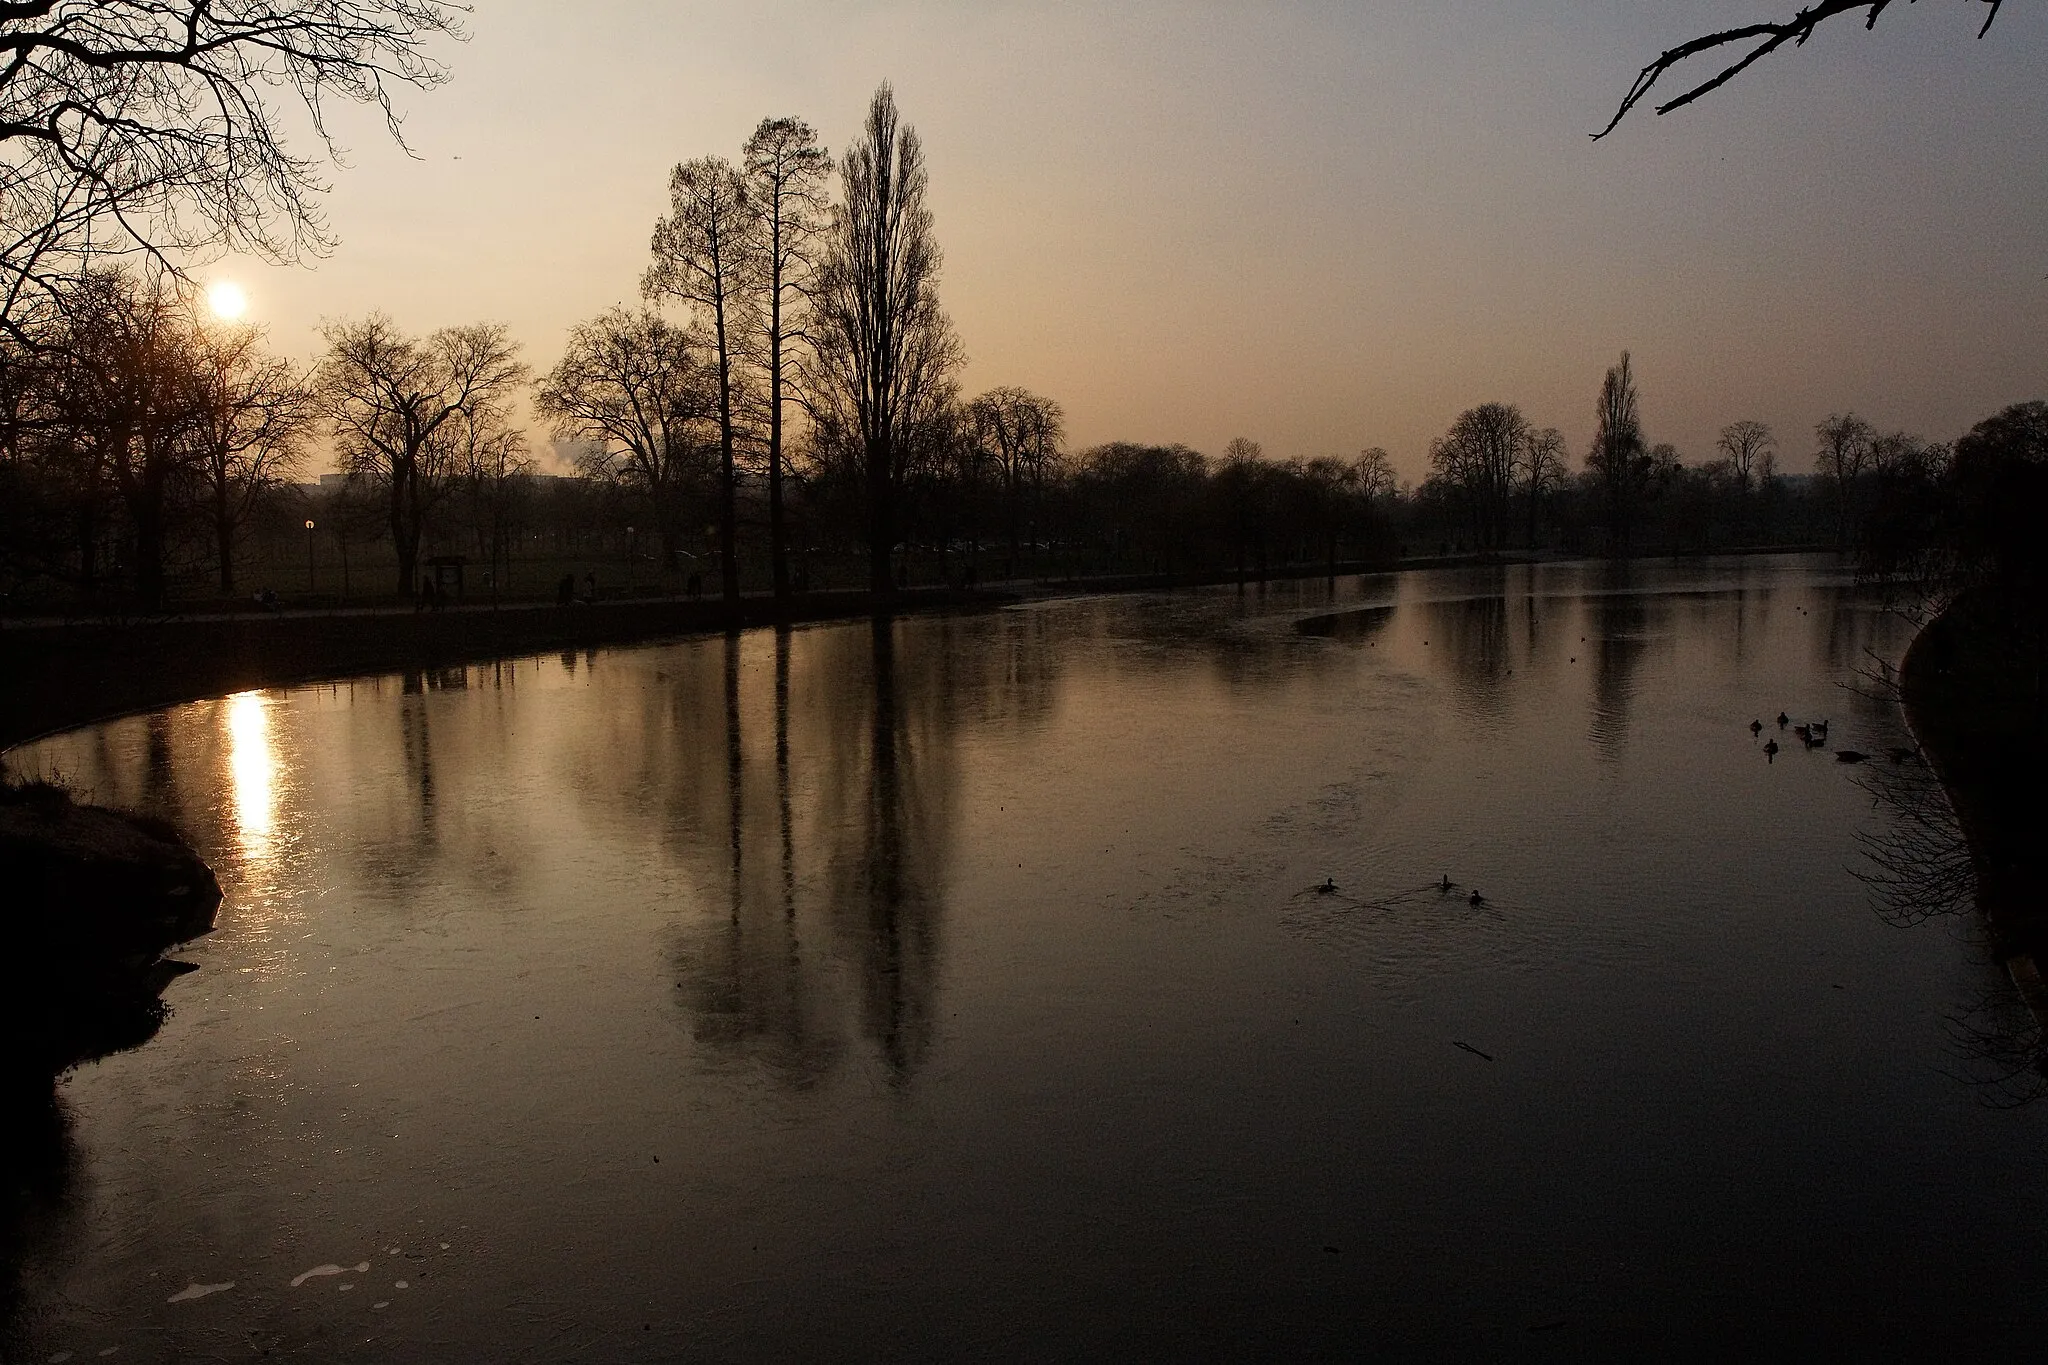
(1768, 38)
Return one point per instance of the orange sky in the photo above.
(1323, 226)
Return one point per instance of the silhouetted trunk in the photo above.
(147, 512)
(881, 524)
(1014, 488)
(728, 492)
(224, 542)
(778, 535)
(88, 549)
(404, 538)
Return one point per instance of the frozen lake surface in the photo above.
(963, 990)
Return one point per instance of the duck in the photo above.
(1783, 720)
(1805, 733)
(1476, 898)
(1446, 884)
(1328, 886)
(1820, 728)
(1756, 727)
(1771, 750)
(1849, 756)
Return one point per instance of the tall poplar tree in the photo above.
(884, 350)
(1618, 455)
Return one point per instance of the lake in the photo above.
(964, 988)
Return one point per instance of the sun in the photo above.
(227, 300)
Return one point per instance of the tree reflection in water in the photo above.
(1619, 624)
(837, 842)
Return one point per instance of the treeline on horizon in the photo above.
(781, 412)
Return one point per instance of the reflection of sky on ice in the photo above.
(252, 769)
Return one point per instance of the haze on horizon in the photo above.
(1321, 226)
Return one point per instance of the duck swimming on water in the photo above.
(1476, 898)
(1329, 885)
(1756, 727)
(1783, 720)
(1770, 750)
(1446, 884)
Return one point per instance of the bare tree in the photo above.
(1766, 39)
(1748, 446)
(1543, 471)
(1021, 433)
(1618, 457)
(1243, 481)
(404, 410)
(125, 392)
(1376, 479)
(635, 385)
(253, 415)
(1332, 490)
(884, 351)
(1478, 457)
(152, 126)
(786, 170)
(705, 253)
(492, 462)
(1842, 450)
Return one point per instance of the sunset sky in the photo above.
(1323, 226)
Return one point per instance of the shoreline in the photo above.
(1968, 709)
(1973, 721)
(60, 676)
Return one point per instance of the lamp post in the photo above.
(309, 554)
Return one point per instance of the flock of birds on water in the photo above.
(1328, 887)
(1811, 734)
(1814, 735)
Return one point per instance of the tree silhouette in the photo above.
(884, 350)
(1477, 457)
(148, 126)
(1767, 38)
(1020, 431)
(1618, 457)
(704, 257)
(1841, 451)
(1748, 446)
(253, 415)
(124, 392)
(406, 411)
(1543, 472)
(1376, 478)
(636, 385)
(785, 170)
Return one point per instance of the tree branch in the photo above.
(1769, 38)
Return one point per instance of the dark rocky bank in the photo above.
(96, 897)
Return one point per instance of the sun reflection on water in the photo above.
(252, 764)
